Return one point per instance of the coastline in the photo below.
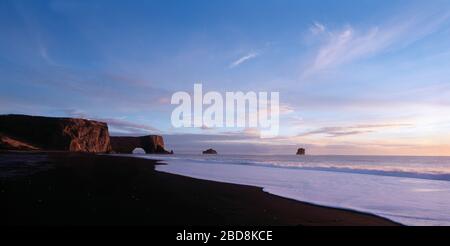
(89, 189)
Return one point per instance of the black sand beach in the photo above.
(89, 189)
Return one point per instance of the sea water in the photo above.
(409, 190)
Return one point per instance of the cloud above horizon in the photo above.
(116, 126)
(243, 59)
(317, 28)
(347, 44)
(338, 131)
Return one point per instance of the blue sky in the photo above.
(355, 77)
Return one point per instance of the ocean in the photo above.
(406, 189)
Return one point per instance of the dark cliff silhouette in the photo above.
(24, 132)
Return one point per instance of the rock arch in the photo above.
(138, 151)
(151, 144)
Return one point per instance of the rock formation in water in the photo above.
(210, 152)
(23, 132)
(301, 151)
(152, 144)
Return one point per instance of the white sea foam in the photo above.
(395, 194)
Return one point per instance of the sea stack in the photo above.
(301, 151)
(210, 152)
(24, 132)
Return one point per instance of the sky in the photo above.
(355, 77)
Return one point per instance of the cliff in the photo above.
(23, 132)
(152, 144)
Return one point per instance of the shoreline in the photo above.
(288, 198)
(89, 189)
(161, 162)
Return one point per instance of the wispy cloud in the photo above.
(348, 44)
(338, 131)
(43, 53)
(117, 125)
(244, 59)
(317, 28)
(127, 126)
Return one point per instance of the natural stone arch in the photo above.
(138, 151)
(151, 144)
